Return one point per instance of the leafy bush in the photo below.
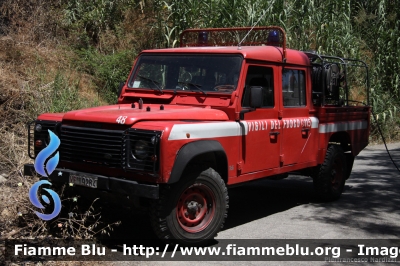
(108, 70)
(59, 96)
(89, 19)
(65, 95)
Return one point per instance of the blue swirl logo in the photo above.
(45, 153)
(40, 168)
(35, 201)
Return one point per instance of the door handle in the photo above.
(304, 132)
(273, 135)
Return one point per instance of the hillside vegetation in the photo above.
(59, 55)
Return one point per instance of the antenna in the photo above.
(265, 12)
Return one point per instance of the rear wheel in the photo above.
(192, 211)
(332, 174)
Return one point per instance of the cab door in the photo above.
(298, 140)
(261, 143)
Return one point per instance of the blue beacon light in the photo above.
(202, 38)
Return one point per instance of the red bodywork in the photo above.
(268, 141)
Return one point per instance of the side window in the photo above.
(263, 77)
(293, 88)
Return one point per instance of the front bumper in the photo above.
(104, 183)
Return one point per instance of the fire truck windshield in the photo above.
(202, 73)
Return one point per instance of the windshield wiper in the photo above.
(197, 86)
(156, 83)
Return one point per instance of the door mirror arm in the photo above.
(256, 100)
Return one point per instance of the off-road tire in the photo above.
(329, 182)
(192, 211)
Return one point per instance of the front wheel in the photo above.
(193, 211)
(329, 180)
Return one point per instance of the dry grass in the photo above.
(17, 218)
(32, 20)
(31, 56)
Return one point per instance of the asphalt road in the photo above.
(289, 209)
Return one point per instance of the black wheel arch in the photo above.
(343, 139)
(209, 152)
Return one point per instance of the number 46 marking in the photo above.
(121, 119)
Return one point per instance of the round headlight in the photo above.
(38, 127)
(140, 150)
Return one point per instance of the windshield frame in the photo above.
(220, 73)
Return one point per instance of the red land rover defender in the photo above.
(192, 121)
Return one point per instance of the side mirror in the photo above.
(121, 85)
(256, 97)
(256, 100)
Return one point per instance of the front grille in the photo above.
(93, 146)
(149, 141)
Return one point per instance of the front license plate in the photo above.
(86, 181)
